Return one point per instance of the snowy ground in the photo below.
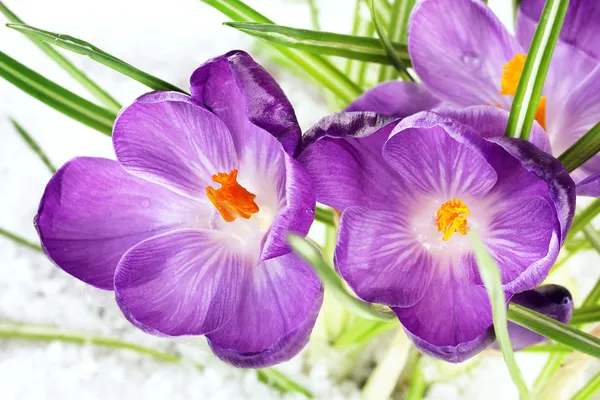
(167, 39)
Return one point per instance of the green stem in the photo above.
(34, 146)
(589, 389)
(397, 32)
(20, 240)
(314, 14)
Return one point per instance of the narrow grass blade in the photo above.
(593, 297)
(357, 24)
(397, 31)
(548, 348)
(552, 329)
(584, 218)
(362, 332)
(388, 45)
(418, 384)
(34, 146)
(56, 96)
(529, 90)
(548, 370)
(582, 150)
(334, 283)
(334, 44)
(34, 332)
(490, 275)
(65, 64)
(585, 315)
(84, 48)
(314, 14)
(324, 215)
(589, 389)
(280, 381)
(20, 240)
(317, 67)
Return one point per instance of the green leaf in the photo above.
(56, 96)
(490, 275)
(335, 44)
(314, 15)
(548, 370)
(278, 380)
(362, 332)
(325, 216)
(555, 330)
(319, 68)
(388, 45)
(397, 31)
(529, 90)
(584, 218)
(20, 240)
(84, 48)
(72, 70)
(418, 384)
(34, 146)
(582, 150)
(548, 348)
(334, 283)
(585, 315)
(589, 389)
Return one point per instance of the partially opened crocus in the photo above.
(189, 226)
(411, 191)
(466, 57)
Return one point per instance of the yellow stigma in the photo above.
(511, 74)
(232, 199)
(452, 217)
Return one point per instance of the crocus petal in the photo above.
(185, 282)
(579, 113)
(589, 186)
(165, 137)
(458, 49)
(93, 211)
(554, 301)
(439, 156)
(561, 187)
(523, 237)
(342, 154)
(491, 122)
(245, 96)
(453, 321)
(379, 257)
(580, 27)
(295, 215)
(277, 311)
(396, 99)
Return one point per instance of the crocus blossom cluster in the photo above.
(410, 191)
(189, 227)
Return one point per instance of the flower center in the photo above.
(511, 74)
(452, 217)
(232, 199)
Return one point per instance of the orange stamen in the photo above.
(232, 199)
(452, 217)
(511, 74)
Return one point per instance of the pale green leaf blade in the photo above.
(77, 74)
(490, 275)
(84, 48)
(56, 96)
(34, 146)
(529, 90)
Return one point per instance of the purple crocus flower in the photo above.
(466, 57)
(189, 226)
(410, 191)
